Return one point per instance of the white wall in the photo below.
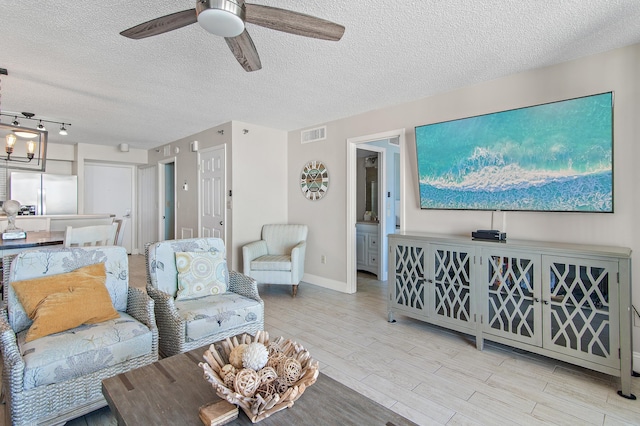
(259, 182)
(256, 175)
(616, 71)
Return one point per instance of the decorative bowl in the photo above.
(259, 392)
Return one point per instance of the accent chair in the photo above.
(53, 378)
(278, 257)
(188, 315)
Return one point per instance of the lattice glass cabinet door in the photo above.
(408, 288)
(452, 268)
(513, 306)
(579, 299)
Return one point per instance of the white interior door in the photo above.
(147, 206)
(109, 188)
(212, 193)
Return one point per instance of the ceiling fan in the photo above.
(227, 18)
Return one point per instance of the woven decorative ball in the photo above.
(255, 356)
(275, 359)
(228, 368)
(266, 390)
(235, 357)
(229, 380)
(274, 348)
(281, 385)
(247, 382)
(268, 375)
(289, 370)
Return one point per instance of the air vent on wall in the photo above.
(395, 140)
(313, 135)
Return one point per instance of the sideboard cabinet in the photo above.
(565, 301)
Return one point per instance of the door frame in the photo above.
(352, 276)
(224, 189)
(161, 197)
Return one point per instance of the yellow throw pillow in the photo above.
(61, 302)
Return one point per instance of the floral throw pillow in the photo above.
(201, 274)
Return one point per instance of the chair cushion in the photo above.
(214, 314)
(82, 350)
(61, 302)
(271, 262)
(39, 262)
(162, 271)
(201, 274)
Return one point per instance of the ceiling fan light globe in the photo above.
(221, 22)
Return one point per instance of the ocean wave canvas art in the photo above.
(551, 157)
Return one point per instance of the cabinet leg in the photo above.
(390, 317)
(625, 383)
(479, 343)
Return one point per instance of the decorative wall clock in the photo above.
(314, 180)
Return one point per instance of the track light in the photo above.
(40, 127)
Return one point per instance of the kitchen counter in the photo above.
(63, 216)
(60, 222)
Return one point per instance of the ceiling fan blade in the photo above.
(293, 22)
(162, 25)
(245, 51)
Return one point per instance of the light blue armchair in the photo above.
(184, 325)
(278, 258)
(58, 377)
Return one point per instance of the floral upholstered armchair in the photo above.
(198, 301)
(70, 321)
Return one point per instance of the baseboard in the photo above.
(327, 283)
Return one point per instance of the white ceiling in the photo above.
(67, 61)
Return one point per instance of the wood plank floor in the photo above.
(427, 374)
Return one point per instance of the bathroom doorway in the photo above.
(384, 204)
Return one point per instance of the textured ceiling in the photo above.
(67, 61)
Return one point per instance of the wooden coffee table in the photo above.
(172, 390)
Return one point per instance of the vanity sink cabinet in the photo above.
(565, 301)
(367, 247)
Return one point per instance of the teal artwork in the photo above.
(551, 157)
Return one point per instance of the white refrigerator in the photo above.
(51, 194)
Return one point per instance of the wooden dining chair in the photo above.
(98, 235)
(122, 225)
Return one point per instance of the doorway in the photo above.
(167, 203)
(371, 218)
(391, 217)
